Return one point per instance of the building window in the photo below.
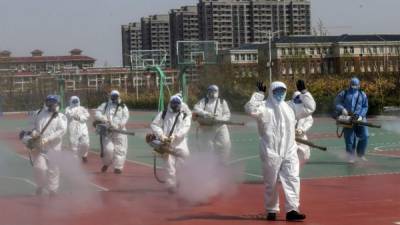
(352, 50)
(362, 50)
(345, 50)
(311, 51)
(312, 69)
(249, 58)
(362, 66)
(236, 57)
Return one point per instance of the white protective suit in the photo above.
(215, 138)
(77, 128)
(46, 171)
(162, 127)
(278, 150)
(115, 145)
(302, 127)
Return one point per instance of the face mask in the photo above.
(175, 107)
(114, 99)
(212, 95)
(297, 100)
(279, 95)
(52, 106)
(75, 102)
(355, 87)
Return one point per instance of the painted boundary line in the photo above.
(358, 175)
(336, 177)
(26, 180)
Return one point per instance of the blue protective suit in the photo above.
(355, 102)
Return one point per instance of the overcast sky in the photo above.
(56, 26)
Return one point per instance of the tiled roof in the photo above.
(39, 59)
(341, 38)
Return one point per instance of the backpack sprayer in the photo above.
(161, 147)
(350, 122)
(212, 121)
(30, 139)
(311, 144)
(105, 129)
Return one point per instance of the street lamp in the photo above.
(270, 35)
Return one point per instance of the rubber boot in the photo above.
(294, 216)
(104, 169)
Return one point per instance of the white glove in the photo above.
(35, 134)
(360, 118)
(172, 138)
(299, 132)
(209, 115)
(163, 138)
(344, 112)
(43, 141)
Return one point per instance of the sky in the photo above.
(57, 26)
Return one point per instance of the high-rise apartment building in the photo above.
(236, 22)
(156, 34)
(230, 22)
(184, 27)
(131, 40)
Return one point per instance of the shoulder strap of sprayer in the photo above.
(216, 104)
(358, 99)
(105, 108)
(116, 110)
(174, 125)
(205, 103)
(54, 115)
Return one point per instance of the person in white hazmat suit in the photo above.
(115, 114)
(302, 127)
(173, 125)
(49, 127)
(215, 137)
(276, 122)
(77, 128)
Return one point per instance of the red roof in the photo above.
(39, 59)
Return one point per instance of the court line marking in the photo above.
(132, 161)
(260, 176)
(383, 155)
(336, 177)
(90, 182)
(26, 180)
(356, 175)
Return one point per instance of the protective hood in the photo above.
(115, 94)
(74, 101)
(295, 94)
(175, 103)
(296, 97)
(355, 84)
(275, 85)
(213, 92)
